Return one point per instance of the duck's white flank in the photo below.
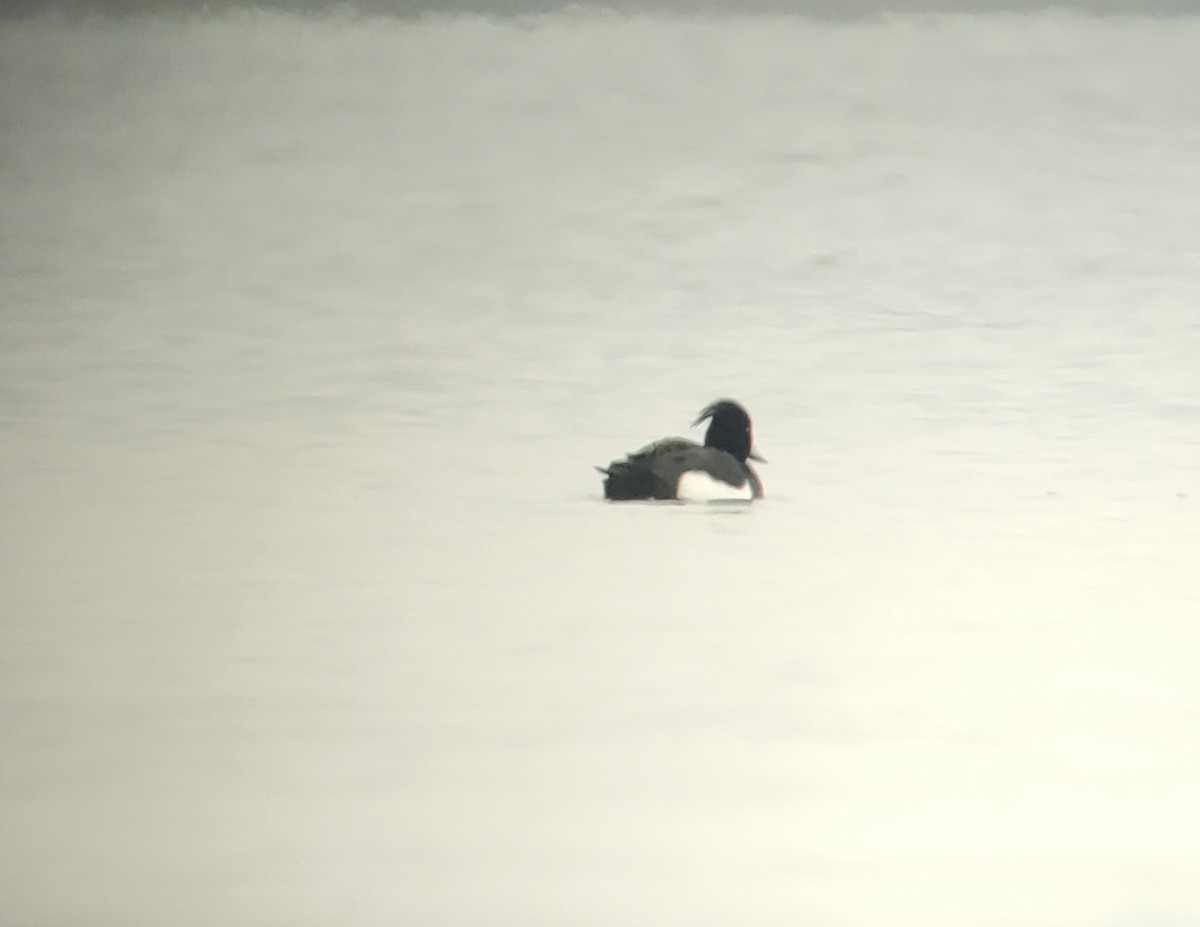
(698, 486)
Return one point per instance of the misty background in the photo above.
(832, 9)
(313, 328)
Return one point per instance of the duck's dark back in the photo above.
(650, 473)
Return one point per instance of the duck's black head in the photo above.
(728, 429)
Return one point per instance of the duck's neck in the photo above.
(731, 439)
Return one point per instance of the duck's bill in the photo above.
(754, 456)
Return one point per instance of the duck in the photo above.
(681, 469)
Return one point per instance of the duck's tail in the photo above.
(623, 480)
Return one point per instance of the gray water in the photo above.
(313, 329)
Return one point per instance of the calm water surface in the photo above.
(312, 330)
